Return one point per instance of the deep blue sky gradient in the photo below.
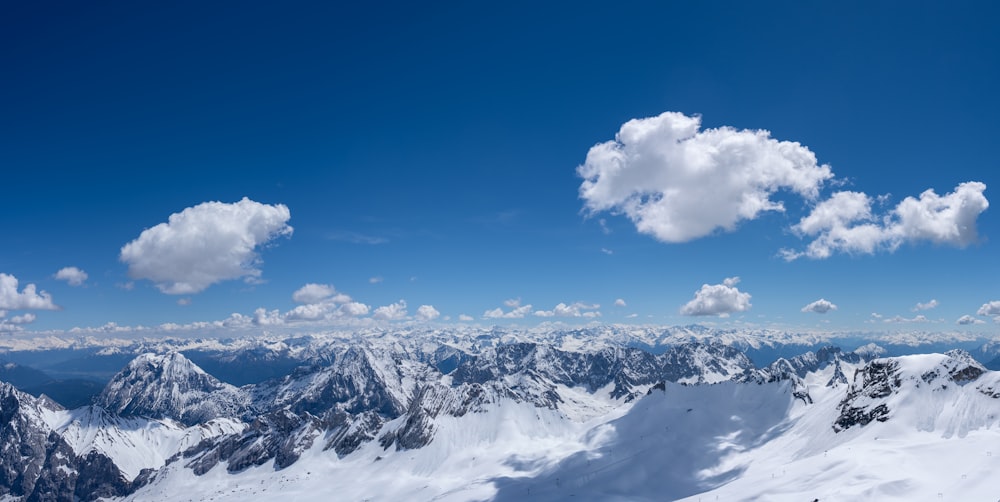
(450, 134)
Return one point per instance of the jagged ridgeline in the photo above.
(162, 418)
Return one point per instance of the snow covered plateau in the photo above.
(597, 413)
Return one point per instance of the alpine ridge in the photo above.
(389, 417)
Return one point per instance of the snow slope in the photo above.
(133, 444)
(939, 440)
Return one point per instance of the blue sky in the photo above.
(430, 154)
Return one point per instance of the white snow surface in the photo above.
(725, 441)
(133, 444)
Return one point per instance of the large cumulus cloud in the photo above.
(205, 244)
(677, 182)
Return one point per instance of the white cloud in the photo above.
(6, 327)
(988, 309)
(427, 313)
(183, 302)
(323, 302)
(392, 312)
(316, 293)
(354, 309)
(27, 298)
(820, 306)
(607, 251)
(925, 306)
(876, 315)
(357, 238)
(968, 319)
(518, 312)
(375, 280)
(902, 320)
(577, 309)
(632, 316)
(948, 219)
(309, 312)
(679, 183)
(26, 318)
(845, 222)
(512, 302)
(325, 311)
(205, 244)
(465, 318)
(254, 280)
(619, 303)
(718, 299)
(264, 317)
(72, 275)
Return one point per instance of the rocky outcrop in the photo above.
(37, 464)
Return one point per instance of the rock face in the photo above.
(863, 404)
(171, 386)
(626, 368)
(796, 368)
(36, 463)
(883, 383)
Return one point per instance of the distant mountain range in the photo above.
(503, 414)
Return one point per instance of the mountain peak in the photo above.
(170, 386)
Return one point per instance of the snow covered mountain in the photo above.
(37, 463)
(388, 417)
(251, 359)
(171, 386)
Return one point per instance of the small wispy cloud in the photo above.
(576, 309)
(392, 312)
(72, 275)
(820, 306)
(356, 238)
(517, 311)
(427, 313)
(604, 226)
(924, 306)
(903, 320)
(968, 319)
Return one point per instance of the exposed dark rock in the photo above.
(876, 380)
